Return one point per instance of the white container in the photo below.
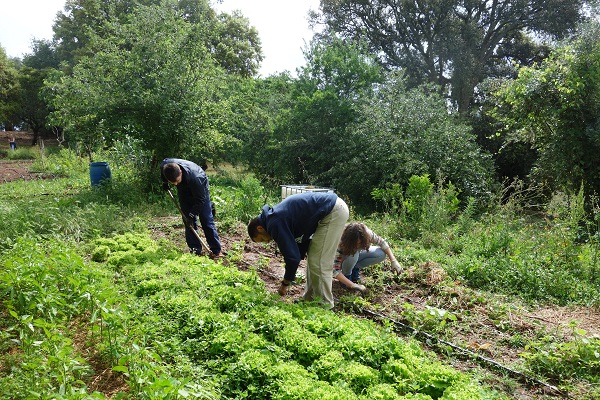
(288, 190)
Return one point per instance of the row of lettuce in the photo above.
(175, 326)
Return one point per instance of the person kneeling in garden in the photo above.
(360, 247)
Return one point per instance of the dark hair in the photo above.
(354, 238)
(171, 171)
(253, 227)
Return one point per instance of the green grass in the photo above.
(78, 262)
(178, 325)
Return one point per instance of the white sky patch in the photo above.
(24, 20)
(282, 26)
(283, 29)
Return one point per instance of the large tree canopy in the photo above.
(402, 132)
(452, 43)
(555, 108)
(307, 116)
(152, 80)
(229, 38)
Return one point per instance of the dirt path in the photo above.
(11, 170)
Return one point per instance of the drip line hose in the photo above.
(496, 364)
(517, 374)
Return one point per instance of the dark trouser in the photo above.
(207, 223)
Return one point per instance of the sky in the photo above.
(282, 26)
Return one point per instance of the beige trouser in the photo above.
(321, 254)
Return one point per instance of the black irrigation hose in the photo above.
(517, 374)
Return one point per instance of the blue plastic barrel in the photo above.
(100, 173)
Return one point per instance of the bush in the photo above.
(400, 133)
(422, 208)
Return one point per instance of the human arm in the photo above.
(347, 282)
(198, 187)
(280, 233)
(379, 241)
(395, 264)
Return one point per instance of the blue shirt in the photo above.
(193, 191)
(292, 222)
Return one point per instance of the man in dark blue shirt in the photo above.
(194, 199)
(306, 224)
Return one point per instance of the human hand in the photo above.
(359, 287)
(396, 266)
(165, 186)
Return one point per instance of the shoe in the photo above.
(196, 251)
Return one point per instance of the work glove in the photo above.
(165, 186)
(192, 218)
(359, 287)
(396, 266)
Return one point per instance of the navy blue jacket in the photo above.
(292, 222)
(193, 191)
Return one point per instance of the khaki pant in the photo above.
(321, 254)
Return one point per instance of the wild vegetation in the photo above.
(96, 305)
(468, 138)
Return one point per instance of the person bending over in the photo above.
(306, 224)
(194, 199)
(360, 247)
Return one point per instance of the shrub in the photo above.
(579, 358)
(422, 207)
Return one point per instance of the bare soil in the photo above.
(11, 170)
(492, 327)
(487, 326)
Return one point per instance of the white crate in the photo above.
(288, 190)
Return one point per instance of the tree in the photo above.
(554, 107)
(451, 43)
(307, 116)
(9, 91)
(235, 45)
(228, 38)
(402, 132)
(34, 108)
(153, 80)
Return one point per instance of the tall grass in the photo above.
(551, 256)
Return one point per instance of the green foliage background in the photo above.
(180, 326)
